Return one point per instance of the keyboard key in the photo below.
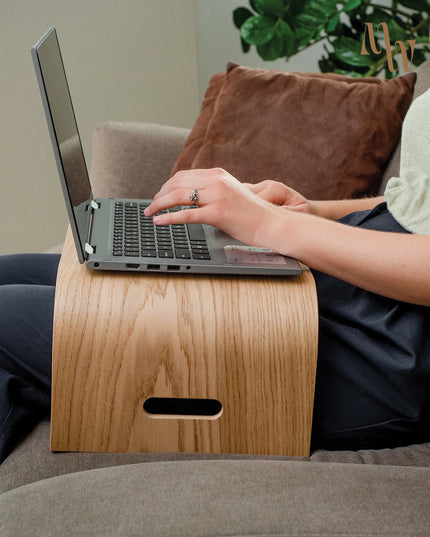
(182, 254)
(165, 253)
(149, 253)
(201, 256)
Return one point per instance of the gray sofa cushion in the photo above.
(132, 159)
(214, 498)
(415, 455)
(32, 460)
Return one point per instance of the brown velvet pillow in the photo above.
(326, 135)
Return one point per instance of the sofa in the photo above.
(338, 493)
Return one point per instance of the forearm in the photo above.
(395, 265)
(335, 209)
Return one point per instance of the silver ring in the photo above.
(194, 198)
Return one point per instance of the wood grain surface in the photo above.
(121, 338)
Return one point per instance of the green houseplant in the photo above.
(282, 28)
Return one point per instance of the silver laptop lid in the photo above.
(65, 137)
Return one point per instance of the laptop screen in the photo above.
(64, 134)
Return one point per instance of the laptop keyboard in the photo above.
(135, 235)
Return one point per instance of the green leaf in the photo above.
(352, 4)
(319, 11)
(425, 28)
(389, 74)
(258, 30)
(397, 33)
(349, 51)
(329, 5)
(419, 57)
(281, 44)
(419, 5)
(333, 22)
(254, 6)
(272, 8)
(273, 49)
(287, 33)
(303, 37)
(344, 67)
(307, 20)
(326, 65)
(240, 15)
(294, 8)
(395, 30)
(347, 73)
(245, 46)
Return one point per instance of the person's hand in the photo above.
(282, 195)
(223, 202)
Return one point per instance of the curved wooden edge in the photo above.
(120, 338)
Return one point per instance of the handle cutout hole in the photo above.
(182, 408)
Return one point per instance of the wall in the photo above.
(218, 42)
(134, 59)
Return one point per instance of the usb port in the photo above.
(153, 267)
(173, 267)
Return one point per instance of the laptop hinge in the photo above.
(90, 249)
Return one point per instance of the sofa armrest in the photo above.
(132, 160)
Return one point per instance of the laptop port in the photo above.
(153, 267)
(173, 267)
(132, 265)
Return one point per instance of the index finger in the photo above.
(166, 201)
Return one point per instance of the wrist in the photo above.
(321, 208)
(314, 207)
(278, 230)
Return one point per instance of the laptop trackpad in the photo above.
(237, 252)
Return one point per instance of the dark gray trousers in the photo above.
(27, 290)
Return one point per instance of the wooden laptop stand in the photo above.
(246, 343)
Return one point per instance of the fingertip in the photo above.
(159, 219)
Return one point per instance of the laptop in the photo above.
(114, 234)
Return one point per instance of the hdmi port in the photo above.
(132, 265)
